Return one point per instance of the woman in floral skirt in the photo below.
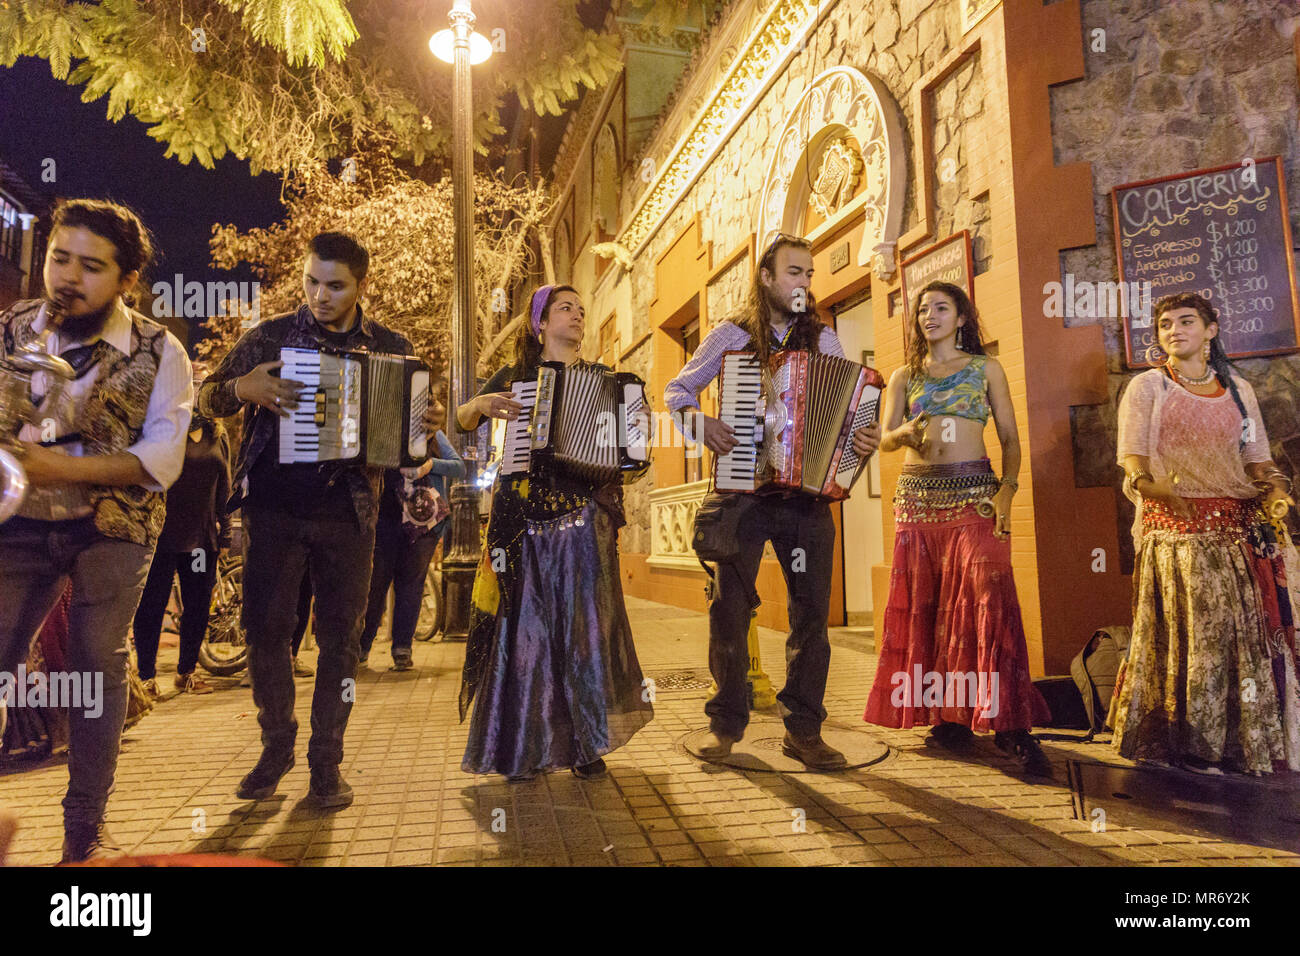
(1210, 682)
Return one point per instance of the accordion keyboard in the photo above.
(516, 449)
(326, 425)
(739, 390)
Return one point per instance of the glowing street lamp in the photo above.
(461, 46)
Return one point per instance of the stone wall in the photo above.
(959, 137)
(1177, 87)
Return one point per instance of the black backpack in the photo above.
(1095, 669)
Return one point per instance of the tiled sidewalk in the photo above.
(658, 806)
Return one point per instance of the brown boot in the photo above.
(715, 746)
(813, 752)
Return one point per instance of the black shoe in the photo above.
(589, 771)
(1021, 745)
(328, 790)
(87, 841)
(265, 777)
(955, 737)
(402, 662)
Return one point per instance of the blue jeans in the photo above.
(402, 565)
(37, 560)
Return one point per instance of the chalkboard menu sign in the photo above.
(1222, 233)
(946, 261)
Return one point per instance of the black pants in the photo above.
(279, 548)
(802, 533)
(304, 611)
(403, 565)
(196, 597)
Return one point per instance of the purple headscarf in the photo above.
(538, 306)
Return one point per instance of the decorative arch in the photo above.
(563, 254)
(841, 103)
(607, 181)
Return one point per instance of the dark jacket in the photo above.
(262, 343)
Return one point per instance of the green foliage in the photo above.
(305, 30)
(289, 83)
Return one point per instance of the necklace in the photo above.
(1203, 380)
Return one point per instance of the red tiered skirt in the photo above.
(953, 645)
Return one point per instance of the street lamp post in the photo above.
(462, 46)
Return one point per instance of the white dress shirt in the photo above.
(161, 447)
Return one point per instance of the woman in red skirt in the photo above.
(953, 652)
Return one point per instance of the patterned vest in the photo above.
(112, 419)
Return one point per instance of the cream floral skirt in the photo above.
(1204, 677)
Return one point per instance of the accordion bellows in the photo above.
(579, 421)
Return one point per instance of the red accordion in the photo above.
(795, 426)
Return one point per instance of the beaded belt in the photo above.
(940, 493)
(1230, 515)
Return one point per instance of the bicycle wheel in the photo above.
(224, 650)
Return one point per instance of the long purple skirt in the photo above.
(562, 686)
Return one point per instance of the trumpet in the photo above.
(17, 408)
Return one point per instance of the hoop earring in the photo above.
(1158, 350)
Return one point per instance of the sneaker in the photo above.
(402, 662)
(189, 684)
(813, 752)
(87, 841)
(589, 771)
(151, 688)
(301, 670)
(264, 778)
(1022, 745)
(328, 790)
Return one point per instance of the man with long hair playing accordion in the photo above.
(780, 314)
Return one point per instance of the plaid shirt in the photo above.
(706, 363)
(262, 343)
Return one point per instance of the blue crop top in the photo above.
(963, 394)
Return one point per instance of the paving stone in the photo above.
(657, 806)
